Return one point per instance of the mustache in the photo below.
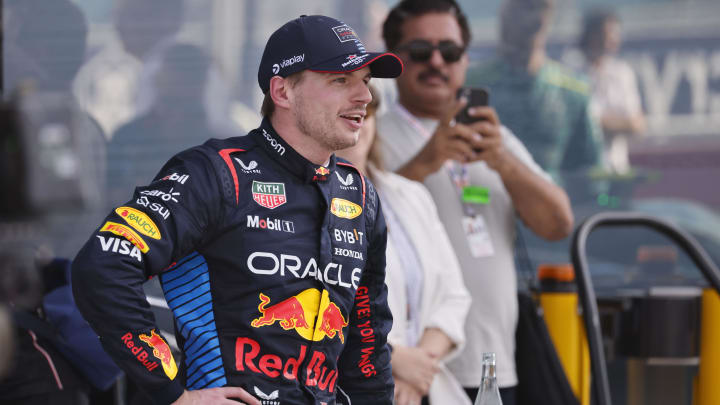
(431, 72)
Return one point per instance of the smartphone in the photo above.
(476, 96)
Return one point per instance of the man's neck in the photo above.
(530, 63)
(596, 60)
(303, 144)
(421, 110)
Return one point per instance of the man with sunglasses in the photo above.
(480, 176)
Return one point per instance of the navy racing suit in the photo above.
(273, 267)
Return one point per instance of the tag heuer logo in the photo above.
(269, 195)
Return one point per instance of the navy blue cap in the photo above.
(321, 44)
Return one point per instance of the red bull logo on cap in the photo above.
(161, 350)
(300, 313)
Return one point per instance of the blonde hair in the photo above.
(374, 155)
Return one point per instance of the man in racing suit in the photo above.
(270, 251)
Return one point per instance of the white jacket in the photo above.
(444, 301)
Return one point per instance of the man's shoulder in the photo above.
(345, 167)
(369, 197)
(221, 156)
(572, 83)
(215, 150)
(243, 142)
(486, 73)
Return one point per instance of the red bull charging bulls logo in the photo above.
(161, 350)
(300, 312)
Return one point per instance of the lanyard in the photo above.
(457, 171)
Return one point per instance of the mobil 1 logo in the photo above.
(254, 221)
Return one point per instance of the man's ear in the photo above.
(279, 87)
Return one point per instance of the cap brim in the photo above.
(382, 65)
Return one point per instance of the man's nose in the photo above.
(436, 58)
(363, 95)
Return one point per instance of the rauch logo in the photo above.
(138, 220)
(344, 209)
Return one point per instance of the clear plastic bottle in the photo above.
(489, 393)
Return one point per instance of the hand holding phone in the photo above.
(475, 97)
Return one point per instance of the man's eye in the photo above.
(340, 80)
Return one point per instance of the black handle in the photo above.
(591, 318)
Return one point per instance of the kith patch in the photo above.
(269, 195)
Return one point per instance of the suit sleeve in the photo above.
(162, 223)
(364, 365)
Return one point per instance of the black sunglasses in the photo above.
(421, 50)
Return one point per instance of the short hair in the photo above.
(593, 26)
(392, 27)
(268, 105)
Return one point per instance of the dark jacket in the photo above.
(274, 268)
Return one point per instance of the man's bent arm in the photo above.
(541, 204)
(160, 225)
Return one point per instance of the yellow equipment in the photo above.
(559, 301)
(707, 388)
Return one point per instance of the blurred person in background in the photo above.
(541, 101)
(118, 84)
(426, 293)
(148, 29)
(480, 176)
(32, 370)
(45, 45)
(108, 85)
(177, 120)
(615, 98)
(37, 373)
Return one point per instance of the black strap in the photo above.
(526, 267)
